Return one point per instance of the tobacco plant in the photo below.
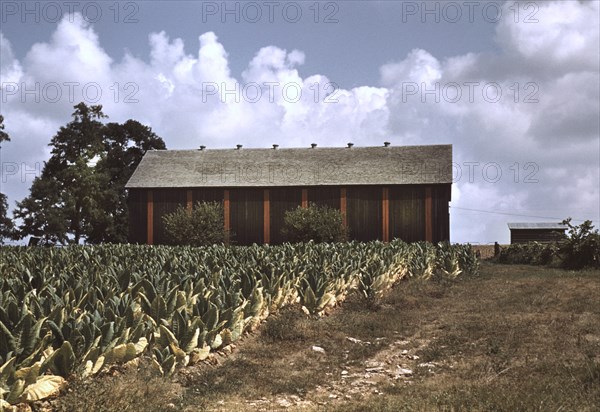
(79, 309)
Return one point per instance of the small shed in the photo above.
(383, 192)
(536, 232)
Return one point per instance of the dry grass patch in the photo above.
(134, 388)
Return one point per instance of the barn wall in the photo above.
(407, 213)
(535, 235)
(246, 215)
(208, 194)
(325, 196)
(138, 214)
(441, 213)
(406, 206)
(364, 212)
(165, 201)
(281, 200)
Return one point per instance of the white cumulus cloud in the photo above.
(541, 132)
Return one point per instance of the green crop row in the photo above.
(78, 309)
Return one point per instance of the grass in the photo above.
(514, 338)
(128, 390)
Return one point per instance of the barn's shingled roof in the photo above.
(294, 167)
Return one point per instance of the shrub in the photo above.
(582, 246)
(544, 254)
(203, 225)
(317, 223)
(532, 253)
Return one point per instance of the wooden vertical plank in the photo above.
(304, 198)
(343, 206)
(282, 200)
(150, 218)
(190, 201)
(324, 196)
(428, 215)
(363, 209)
(226, 210)
(266, 217)
(246, 215)
(385, 214)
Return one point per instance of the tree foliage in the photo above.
(582, 246)
(4, 137)
(80, 193)
(203, 225)
(6, 225)
(124, 147)
(317, 223)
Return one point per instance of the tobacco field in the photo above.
(80, 309)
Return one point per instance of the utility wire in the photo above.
(515, 214)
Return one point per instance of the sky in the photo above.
(513, 86)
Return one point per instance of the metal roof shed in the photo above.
(536, 232)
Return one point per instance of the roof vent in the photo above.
(350, 145)
(386, 144)
(238, 146)
(275, 146)
(202, 147)
(313, 145)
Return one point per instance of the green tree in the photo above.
(80, 193)
(62, 198)
(124, 147)
(41, 213)
(581, 248)
(6, 225)
(320, 224)
(204, 225)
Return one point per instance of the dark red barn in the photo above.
(384, 192)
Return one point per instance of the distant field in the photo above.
(513, 338)
(486, 251)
